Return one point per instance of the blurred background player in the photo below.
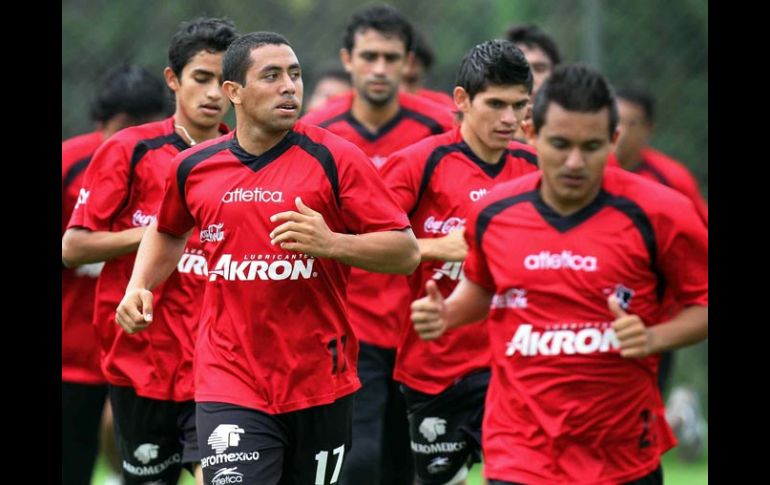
(541, 52)
(416, 71)
(436, 180)
(127, 95)
(150, 373)
(332, 81)
(380, 119)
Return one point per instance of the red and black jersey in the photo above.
(661, 168)
(274, 332)
(123, 188)
(79, 348)
(436, 180)
(378, 303)
(563, 406)
(438, 96)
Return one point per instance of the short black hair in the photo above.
(382, 18)
(531, 36)
(129, 89)
(497, 62)
(638, 95)
(422, 49)
(209, 34)
(237, 60)
(575, 87)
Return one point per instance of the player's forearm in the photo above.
(440, 249)
(81, 246)
(688, 327)
(380, 252)
(156, 258)
(468, 303)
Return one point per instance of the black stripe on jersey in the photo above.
(528, 156)
(492, 170)
(565, 223)
(490, 211)
(324, 157)
(435, 156)
(186, 165)
(331, 121)
(140, 150)
(645, 166)
(258, 162)
(637, 215)
(368, 135)
(434, 126)
(75, 170)
(440, 152)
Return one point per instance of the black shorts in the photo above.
(445, 428)
(654, 478)
(81, 413)
(155, 438)
(241, 445)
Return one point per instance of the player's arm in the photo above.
(451, 247)
(638, 340)
(432, 315)
(156, 259)
(305, 231)
(81, 246)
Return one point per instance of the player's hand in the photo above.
(303, 231)
(134, 313)
(634, 336)
(429, 313)
(453, 246)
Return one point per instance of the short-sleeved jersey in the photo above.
(123, 188)
(79, 348)
(435, 181)
(274, 332)
(563, 406)
(378, 303)
(659, 167)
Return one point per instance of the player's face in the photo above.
(572, 149)
(634, 131)
(326, 88)
(201, 103)
(540, 64)
(271, 99)
(375, 64)
(494, 114)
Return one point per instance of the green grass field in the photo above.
(674, 472)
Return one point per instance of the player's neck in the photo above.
(630, 163)
(192, 134)
(257, 141)
(371, 116)
(485, 153)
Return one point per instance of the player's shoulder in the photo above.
(429, 109)
(653, 198)
(334, 107)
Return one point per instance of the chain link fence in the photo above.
(661, 44)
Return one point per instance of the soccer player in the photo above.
(435, 181)
(127, 95)
(636, 108)
(150, 373)
(292, 206)
(333, 81)
(573, 260)
(541, 52)
(379, 119)
(416, 71)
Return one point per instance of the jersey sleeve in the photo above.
(402, 176)
(105, 187)
(174, 216)
(366, 204)
(475, 267)
(689, 187)
(683, 253)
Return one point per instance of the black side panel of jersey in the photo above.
(184, 169)
(490, 211)
(75, 170)
(324, 157)
(435, 156)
